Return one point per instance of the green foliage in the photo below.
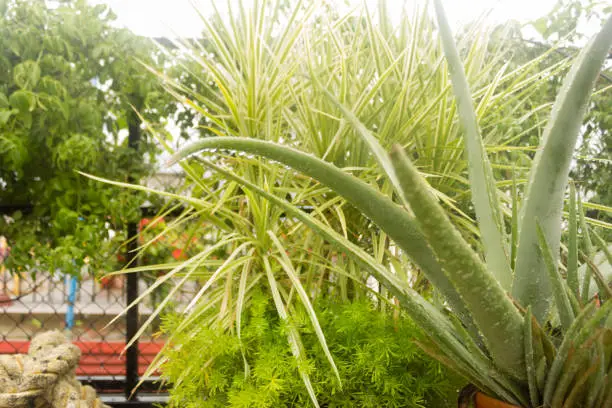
(564, 21)
(257, 76)
(68, 83)
(379, 363)
(510, 356)
(269, 91)
(327, 97)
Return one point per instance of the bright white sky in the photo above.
(163, 17)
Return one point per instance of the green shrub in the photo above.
(379, 363)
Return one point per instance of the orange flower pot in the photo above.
(470, 396)
(484, 401)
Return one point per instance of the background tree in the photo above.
(69, 83)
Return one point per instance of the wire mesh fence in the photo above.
(85, 309)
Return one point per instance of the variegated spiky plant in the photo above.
(496, 336)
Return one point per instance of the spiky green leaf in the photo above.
(484, 193)
(549, 175)
(494, 313)
(390, 217)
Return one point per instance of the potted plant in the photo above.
(498, 335)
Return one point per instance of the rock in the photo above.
(45, 377)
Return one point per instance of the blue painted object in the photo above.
(72, 289)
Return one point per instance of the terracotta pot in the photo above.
(484, 401)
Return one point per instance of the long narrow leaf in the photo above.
(572, 250)
(584, 325)
(514, 221)
(600, 373)
(566, 313)
(484, 193)
(293, 336)
(390, 280)
(390, 217)
(285, 262)
(549, 175)
(227, 265)
(377, 150)
(494, 313)
(197, 203)
(588, 251)
(530, 361)
(599, 241)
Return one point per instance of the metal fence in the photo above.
(85, 310)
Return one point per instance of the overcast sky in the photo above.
(163, 17)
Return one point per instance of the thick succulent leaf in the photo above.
(390, 217)
(584, 325)
(599, 377)
(599, 372)
(391, 281)
(566, 313)
(599, 241)
(597, 263)
(530, 360)
(603, 266)
(604, 291)
(484, 193)
(570, 392)
(460, 350)
(572, 250)
(492, 310)
(549, 175)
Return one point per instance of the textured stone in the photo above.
(45, 377)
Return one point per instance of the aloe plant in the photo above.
(509, 355)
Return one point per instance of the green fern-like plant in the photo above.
(379, 362)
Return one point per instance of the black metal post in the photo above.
(132, 315)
